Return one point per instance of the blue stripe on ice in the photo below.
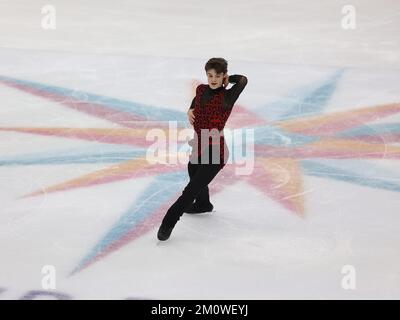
(156, 194)
(274, 136)
(302, 102)
(146, 111)
(87, 154)
(354, 171)
(372, 129)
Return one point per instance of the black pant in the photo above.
(197, 188)
(203, 197)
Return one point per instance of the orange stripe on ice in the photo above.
(241, 117)
(339, 121)
(119, 135)
(351, 146)
(126, 170)
(281, 179)
(331, 148)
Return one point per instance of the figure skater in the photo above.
(208, 112)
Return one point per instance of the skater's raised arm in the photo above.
(240, 83)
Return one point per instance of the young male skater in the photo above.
(208, 113)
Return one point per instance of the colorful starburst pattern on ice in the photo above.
(293, 137)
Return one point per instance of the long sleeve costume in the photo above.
(212, 108)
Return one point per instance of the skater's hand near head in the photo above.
(191, 116)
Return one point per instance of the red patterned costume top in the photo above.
(211, 117)
(212, 108)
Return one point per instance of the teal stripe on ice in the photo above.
(310, 100)
(87, 154)
(156, 194)
(372, 130)
(273, 136)
(356, 172)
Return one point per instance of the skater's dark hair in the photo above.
(220, 65)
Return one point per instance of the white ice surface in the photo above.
(250, 247)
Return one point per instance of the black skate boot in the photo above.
(194, 208)
(164, 232)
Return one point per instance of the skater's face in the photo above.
(215, 80)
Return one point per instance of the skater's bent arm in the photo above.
(240, 83)
(192, 105)
(190, 113)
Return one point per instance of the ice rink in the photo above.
(316, 217)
